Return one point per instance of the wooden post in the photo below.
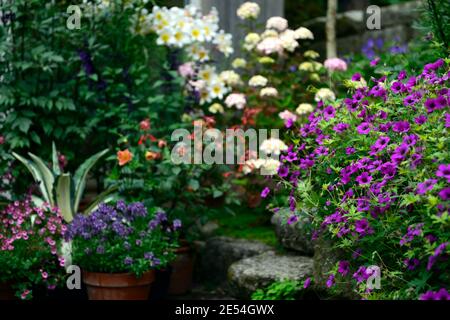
(331, 29)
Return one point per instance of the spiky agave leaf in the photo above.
(64, 196)
(80, 177)
(47, 175)
(37, 175)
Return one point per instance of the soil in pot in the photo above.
(118, 286)
(182, 271)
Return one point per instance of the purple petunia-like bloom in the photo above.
(344, 267)
(361, 274)
(329, 113)
(411, 264)
(307, 283)
(426, 186)
(265, 192)
(437, 252)
(444, 194)
(356, 77)
(283, 171)
(409, 100)
(341, 127)
(401, 126)
(364, 178)
(363, 128)
(330, 281)
(176, 224)
(442, 294)
(443, 171)
(362, 227)
(292, 219)
(413, 231)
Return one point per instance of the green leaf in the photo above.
(104, 197)
(194, 184)
(47, 175)
(23, 124)
(63, 196)
(81, 175)
(35, 172)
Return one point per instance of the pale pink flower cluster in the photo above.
(277, 23)
(236, 100)
(186, 70)
(270, 45)
(248, 10)
(286, 115)
(335, 64)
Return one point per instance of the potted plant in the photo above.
(29, 240)
(119, 247)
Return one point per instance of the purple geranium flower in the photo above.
(341, 127)
(428, 185)
(292, 219)
(283, 171)
(443, 171)
(362, 227)
(445, 194)
(442, 294)
(363, 128)
(329, 113)
(265, 192)
(307, 283)
(411, 264)
(364, 178)
(344, 267)
(401, 126)
(330, 281)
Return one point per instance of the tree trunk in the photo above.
(331, 29)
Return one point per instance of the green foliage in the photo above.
(77, 85)
(396, 218)
(245, 223)
(282, 290)
(436, 19)
(185, 190)
(60, 189)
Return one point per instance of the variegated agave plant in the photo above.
(62, 189)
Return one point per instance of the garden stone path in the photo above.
(250, 274)
(219, 253)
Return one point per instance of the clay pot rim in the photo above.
(183, 249)
(105, 279)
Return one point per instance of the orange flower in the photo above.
(124, 157)
(150, 155)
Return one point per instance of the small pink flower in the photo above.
(25, 294)
(186, 70)
(335, 64)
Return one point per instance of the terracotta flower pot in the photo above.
(118, 286)
(182, 271)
